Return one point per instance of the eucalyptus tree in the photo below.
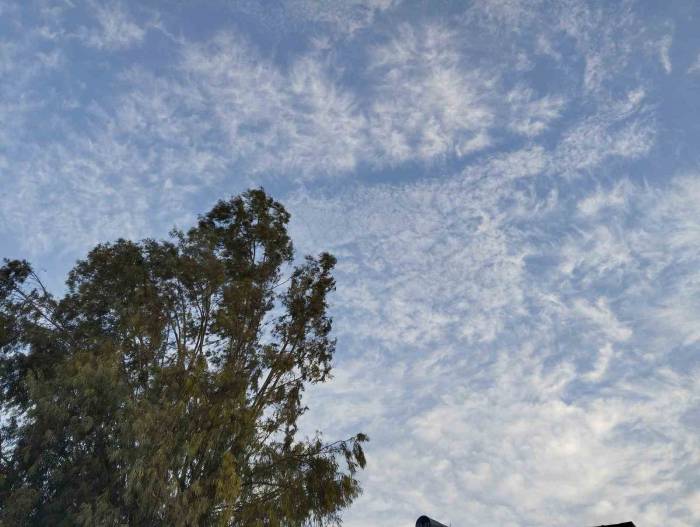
(165, 386)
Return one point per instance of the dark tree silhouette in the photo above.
(165, 386)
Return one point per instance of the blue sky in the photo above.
(512, 189)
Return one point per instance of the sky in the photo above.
(512, 189)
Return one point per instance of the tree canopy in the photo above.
(165, 386)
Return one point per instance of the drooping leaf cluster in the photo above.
(166, 386)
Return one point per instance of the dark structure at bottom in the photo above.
(424, 521)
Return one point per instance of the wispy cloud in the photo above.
(299, 120)
(115, 28)
(665, 53)
(695, 66)
(531, 115)
(346, 16)
(429, 104)
(517, 284)
(498, 355)
(627, 134)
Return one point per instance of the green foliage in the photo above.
(165, 387)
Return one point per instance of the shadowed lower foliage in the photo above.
(165, 387)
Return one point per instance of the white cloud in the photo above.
(595, 251)
(603, 199)
(515, 14)
(225, 106)
(669, 241)
(605, 354)
(599, 313)
(520, 346)
(596, 138)
(300, 121)
(695, 66)
(665, 53)
(604, 35)
(115, 30)
(491, 425)
(347, 15)
(532, 116)
(429, 103)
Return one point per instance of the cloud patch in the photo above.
(545, 392)
(115, 30)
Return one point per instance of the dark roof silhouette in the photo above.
(424, 521)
